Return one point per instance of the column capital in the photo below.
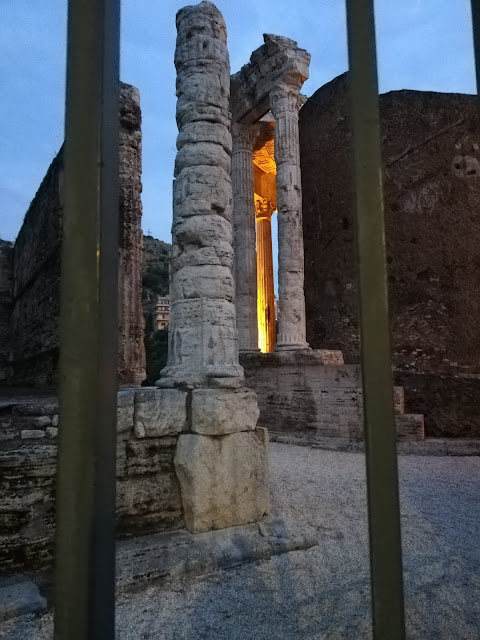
(263, 209)
(244, 136)
(286, 97)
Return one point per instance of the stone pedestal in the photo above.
(220, 463)
(244, 235)
(266, 295)
(285, 102)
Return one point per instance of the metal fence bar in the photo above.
(380, 444)
(84, 607)
(476, 40)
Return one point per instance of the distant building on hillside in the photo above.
(163, 311)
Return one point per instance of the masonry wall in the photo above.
(6, 291)
(307, 395)
(148, 492)
(430, 147)
(34, 321)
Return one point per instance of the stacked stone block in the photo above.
(148, 491)
(221, 462)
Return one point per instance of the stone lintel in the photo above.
(278, 60)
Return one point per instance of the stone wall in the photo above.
(6, 286)
(34, 320)
(148, 493)
(36, 284)
(312, 395)
(430, 147)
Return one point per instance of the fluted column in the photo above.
(285, 102)
(266, 295)
(243, 137)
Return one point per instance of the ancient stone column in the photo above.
(285, 103)
(220, 460)
(266, 294)
(202, 325)
(131, 349)
(244, 136)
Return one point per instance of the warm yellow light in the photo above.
(265, 291)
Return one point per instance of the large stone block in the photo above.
(223, 480)
(160, 412)
(222, 411)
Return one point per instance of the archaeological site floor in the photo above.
(323, 592)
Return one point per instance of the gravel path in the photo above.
(323, 593)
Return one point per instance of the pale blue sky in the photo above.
(422, 44)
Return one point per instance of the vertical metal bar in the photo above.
(476, 39)
(380, 445)
(84, 608)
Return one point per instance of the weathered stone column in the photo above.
(131, 349)
(285, 103)
(220, 460)
(244, 136)
(266, 293)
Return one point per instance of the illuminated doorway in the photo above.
(265, 194)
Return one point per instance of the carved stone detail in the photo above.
(285, 101)
(244, 137)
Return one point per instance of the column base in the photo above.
(249, 350)
(287, 345)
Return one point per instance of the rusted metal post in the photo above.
(380, 441)
(85, 556)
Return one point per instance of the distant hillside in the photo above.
(155, 282)
(156, 261)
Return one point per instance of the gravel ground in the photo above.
(323, 593)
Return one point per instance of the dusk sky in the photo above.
(422, 44)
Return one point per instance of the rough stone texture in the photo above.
(6, 291)
(148, 492)
(285, 103)
(19, 598)
(131, 350)
(160, 412)
(223, 480)
(35, 308)
(217, 412)
(244, 137)
(144, 560)
(202, 333)
(300, 396)
(430, 153)
(278, 60)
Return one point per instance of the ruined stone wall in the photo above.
(6, 290)
(313, 395)
(34, 320)
(148, 493)
(36, 284)
(430, 147)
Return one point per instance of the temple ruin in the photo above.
(30, 305)
(192, 451)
